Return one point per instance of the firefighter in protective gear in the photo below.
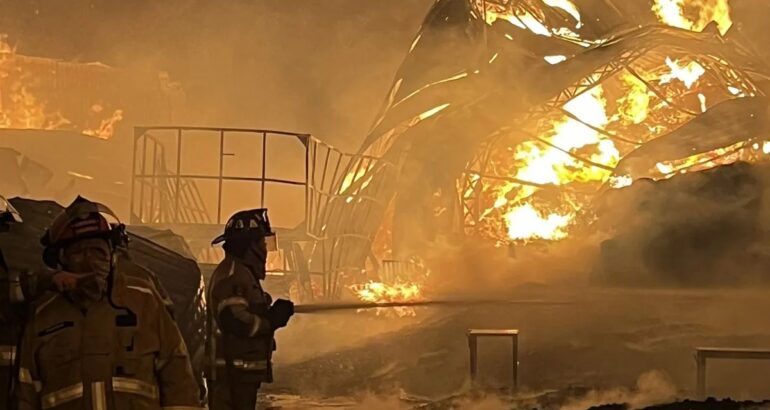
(12, 310)
(242, 317)
(103, 341)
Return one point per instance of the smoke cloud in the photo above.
(651, 388)
(316, 67)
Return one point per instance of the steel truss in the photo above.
(478, 169)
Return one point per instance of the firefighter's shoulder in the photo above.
(137, 294)
(140, 279)
(227, 281)
(52, 312)
(131, 269)
(47, 302)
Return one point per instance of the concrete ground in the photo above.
(593, 346)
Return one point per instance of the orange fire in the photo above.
(400, 292)
(694, 15)
(22, 105)
(541, 200)
(550, 161)
(526, 223)
(523, 18)
(107, 126)
(688, 75)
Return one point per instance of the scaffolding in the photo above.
(182, 176)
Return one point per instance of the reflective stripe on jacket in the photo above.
(241, 332)
(98, 358)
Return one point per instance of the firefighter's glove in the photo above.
(280, 312)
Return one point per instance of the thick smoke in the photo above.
(312, 67)
(317, 67)
(651, 388)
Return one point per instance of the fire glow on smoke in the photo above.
(694, 15)
(23, 104)
(540, 185)
(573, 151)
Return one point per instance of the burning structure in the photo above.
(73, 107)
(507, 119)
(505, 122)
(515, 123)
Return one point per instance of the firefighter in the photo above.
(242, 317)
(12, 310)
(101, 341)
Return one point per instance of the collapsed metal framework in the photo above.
(638, 44)
(347, 196)
(164, 193)
(342, 237)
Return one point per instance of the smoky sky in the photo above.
(321, 67)
(315, 66)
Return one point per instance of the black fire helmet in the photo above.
(249, 225)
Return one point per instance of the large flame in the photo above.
(379, 292)
(550, 160)
(575, 153)
(526, 223)
(694, 15)
(688, 74)
(523, 18)
(634, 106)
(23, 105)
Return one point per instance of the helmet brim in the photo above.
(270, 241)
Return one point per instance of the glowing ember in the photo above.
(689, 74)
(555, 59)
(694, 15)
(621, 181)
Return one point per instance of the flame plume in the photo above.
(694, 15)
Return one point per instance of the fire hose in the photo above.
(327, 307)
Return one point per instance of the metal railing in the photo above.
(180, 200)
(340, 193)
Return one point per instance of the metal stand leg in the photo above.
(474, 334)
(515, 340)
(472, 345)
(701, 376)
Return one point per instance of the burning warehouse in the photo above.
(584, 178)
(646, 102)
